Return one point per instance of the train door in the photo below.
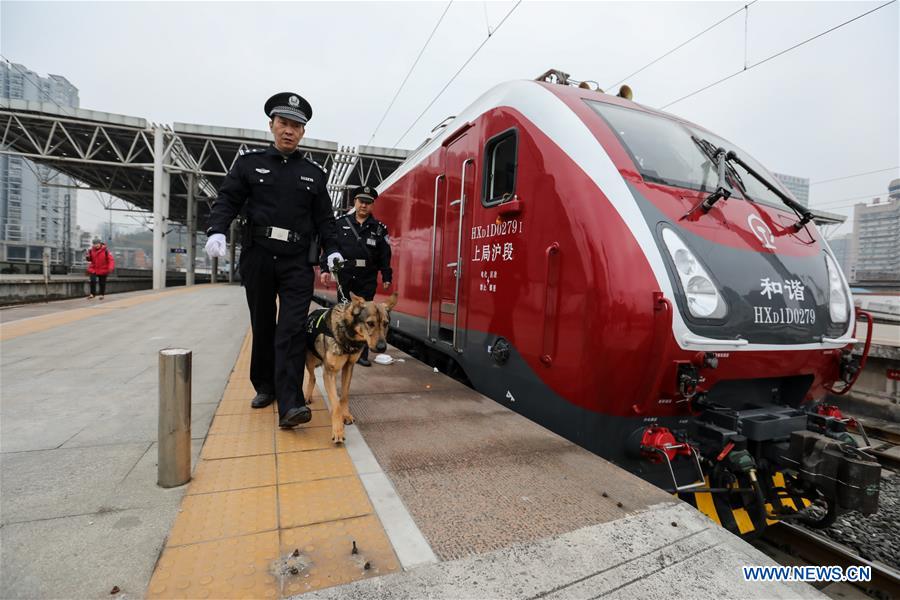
(459, 170)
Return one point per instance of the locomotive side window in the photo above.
(500, 168)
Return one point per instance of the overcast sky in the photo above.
(827, 109)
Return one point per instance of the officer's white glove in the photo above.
(334, 257)
(216, 246)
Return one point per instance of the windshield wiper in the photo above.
(804, 213)
(723, 189)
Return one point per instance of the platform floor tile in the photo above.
(240, 405)
(239, 394)
(303, 438)
(323, 500)
(240, 391)
(232, 445)
(260, 420)
(326, 553)
(206, 517)
(237, 567)
(320, 417)
(233, 474)
(295, 467)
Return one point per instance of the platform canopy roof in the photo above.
(116, 154)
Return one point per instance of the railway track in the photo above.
(878, 431)
(819, 550)
(883, 439)
(888, 461)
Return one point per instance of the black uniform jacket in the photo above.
(370, 243)
(287, 192)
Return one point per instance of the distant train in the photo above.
(638, 285)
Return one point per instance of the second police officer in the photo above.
(285, 200)
(364, 244)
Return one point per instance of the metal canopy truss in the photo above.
(366, 165)
(116, 154)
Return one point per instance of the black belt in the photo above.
(355, 263)
(277, 233)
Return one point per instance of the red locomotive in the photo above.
(638, 285)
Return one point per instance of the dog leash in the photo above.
(335, 271)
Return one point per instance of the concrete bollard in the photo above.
(174, 459)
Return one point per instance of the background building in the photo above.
(876, 240)
(798, 186)
(842, 246)
(33, 214)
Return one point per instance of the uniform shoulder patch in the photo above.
(324, 170)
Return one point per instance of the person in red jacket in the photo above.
(100, 264)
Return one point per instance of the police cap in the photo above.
(290, 106)
(364, 193)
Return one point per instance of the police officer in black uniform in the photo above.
(283, 196)
(363, 242)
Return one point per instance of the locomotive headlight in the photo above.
(684, 261)
(703, 298)
(837, 297)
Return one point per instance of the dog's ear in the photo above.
(357, 299)
(391, 303)
(350, 315)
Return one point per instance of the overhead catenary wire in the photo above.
(684, 43)
(854, 175)
(845, 202)
(777, 54)
(405, 79)
(455, 75)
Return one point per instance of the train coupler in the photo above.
(828, 420)
(658, 445)
(843, 474)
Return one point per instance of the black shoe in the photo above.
(262, 400)
(295, 416)
(364, 362)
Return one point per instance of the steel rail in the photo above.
(819, 550)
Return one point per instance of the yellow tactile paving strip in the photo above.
(270, 513)
(22, 327)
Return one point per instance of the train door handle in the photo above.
(551, 304)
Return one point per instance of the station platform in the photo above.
(442, 492)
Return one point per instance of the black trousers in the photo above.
(279, 347)
(94, 278)
(361, 282)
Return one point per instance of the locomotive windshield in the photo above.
(665, 151)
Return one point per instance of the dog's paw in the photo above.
(348, 419)
(337, 429)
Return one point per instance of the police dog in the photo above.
(335, 339)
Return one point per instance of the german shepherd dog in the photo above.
(335, 339)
